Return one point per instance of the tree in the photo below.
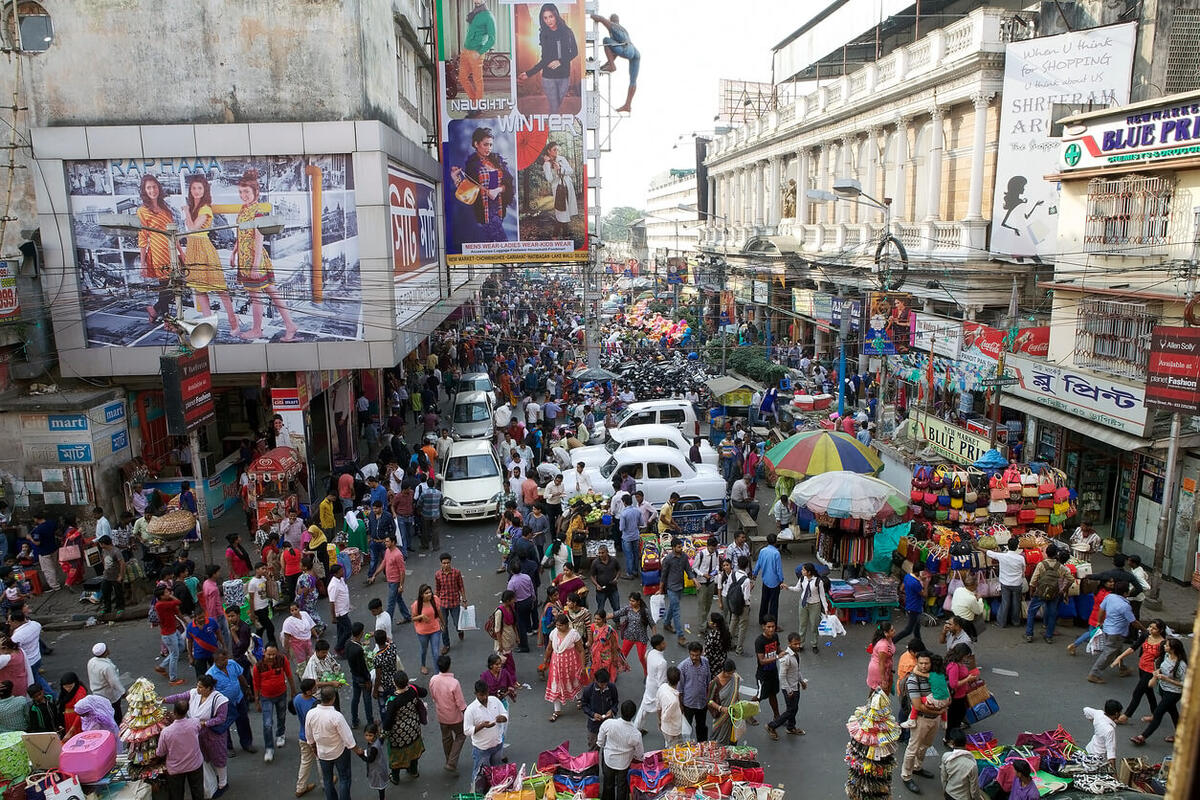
(615, 225)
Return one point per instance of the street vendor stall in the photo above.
(270, 476)
(731, 398)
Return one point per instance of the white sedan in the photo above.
(659, 471)
(472, 481)
(633, 436)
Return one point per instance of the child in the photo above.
(25, 556)
(14, 598)
(938, 698)
(376, 760)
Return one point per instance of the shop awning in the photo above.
(1102, 433)
(723, 385)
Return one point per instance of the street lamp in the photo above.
(193, 334)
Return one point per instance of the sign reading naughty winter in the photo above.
(1088, 69)
(513, 100)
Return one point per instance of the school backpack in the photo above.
(489, 625)
(1046, 584)
(736, 598)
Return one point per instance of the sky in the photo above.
(686, 47)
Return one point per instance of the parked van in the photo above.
(677, 413)
(472, 416)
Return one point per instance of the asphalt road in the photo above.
(1038, 686)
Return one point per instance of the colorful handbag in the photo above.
(983, 710)
(585, 785)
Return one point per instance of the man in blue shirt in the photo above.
(769, 570)
(631, 536)
(1114, 620)
(232, 682)
(303, 703)
(44, 536)
(694, 676)
(914, 602)
(378, 492)
(674, 567)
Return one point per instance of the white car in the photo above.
(633, 436)
(478, 382)
(472, 481)
(659, 471)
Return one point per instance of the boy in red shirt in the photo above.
(166, 608)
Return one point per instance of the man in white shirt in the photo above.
(967, 605)
(339, 606)
(1103, 743)
(670, 712)
(620, 744)
(327, 730)
(104, 678)
(656, 675)
(739, 497)
(1012, 577)
(260, 604)
(649, 513)
(383, 620)
(481, 722)
(103, 526)
(533, 413)
(583, 484)
(706, 567)
(27, 634)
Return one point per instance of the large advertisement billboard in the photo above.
(888, 324)
(412, 205)
(1079, 70)
(302, 284)
(511, 83)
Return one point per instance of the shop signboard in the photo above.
(416, 244)
(802, 302)
(1089, 69)
(513, 103)
(888, 324)
(221, 491)
(308, 273)
(842, 305)
(1103, 400)
(10, 303)
(677, 271)
(1173, 374)
(187, 391)
(1152, 134)
(762, 293)
(942, 336)
(75, 438)
(950, 440)
(741, 288)
(823, 310)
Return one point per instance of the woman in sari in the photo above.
(504, 626)
(717, 639)
(568, 583)
(605, 651)
(298, 631)
(155, 247)
(500, 684)
(402, 726)
(210, 708)
(70, 692)
(564, 655)
(722, 694)
(579, 616)
(73, 568)
(201, 264)
(253, 265)
(237, 560)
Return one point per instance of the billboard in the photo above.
(416, 272)
(887, 323)
(511, 85)
(1104, 400)
(10, 303)
(1173, 374)
(1154, 133)
(86, 437)
(187, 391)
(300, 285)
(1086, 69)
(940, 335)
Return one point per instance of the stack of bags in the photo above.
(871, 751)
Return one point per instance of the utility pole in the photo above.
(1166, 515)
(843, 334)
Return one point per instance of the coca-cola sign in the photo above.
(989, 341)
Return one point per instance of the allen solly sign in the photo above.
(1155, 134)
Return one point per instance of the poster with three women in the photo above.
(298, 285)
(511, 77)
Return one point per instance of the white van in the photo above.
(677, 413)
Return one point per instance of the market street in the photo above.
(1037, 686)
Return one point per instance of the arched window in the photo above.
(28, 26)
(920, 206)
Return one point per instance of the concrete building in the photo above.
(332, 105)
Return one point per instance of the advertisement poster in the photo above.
(511, 83)
(10, 303)
(937, 334)
(412, 204)
(1083, 69)
(301, 285)
(1173, 374)
(888, 323)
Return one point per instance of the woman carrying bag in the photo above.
(1172, 669)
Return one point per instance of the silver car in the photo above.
(472, 416)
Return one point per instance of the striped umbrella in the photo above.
(815, 452)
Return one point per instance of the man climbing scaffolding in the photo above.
(618, 45)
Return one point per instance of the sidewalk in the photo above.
(64, 610)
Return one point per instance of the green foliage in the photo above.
(614, 227)
(747, 360)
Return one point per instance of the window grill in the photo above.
(1183, 52)
(1131, 211)
(1113, 337)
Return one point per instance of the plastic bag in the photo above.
(466, 619)
(831, 626)
(658, 607)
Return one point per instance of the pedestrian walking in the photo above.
(402, 721)
(636, 627)
(326, 730)
(375, 759)
(451, 592)
(695, 675)
(620, 744)
(674, 568)
(1150, 642)
(814, 603)
(481, 722)
(792, 682)
(921, 736)
(104, 678)
(565, 665)
(361, 683)
(211, 709)
(428, 624)
(273, 685)
(598, 701)
(656, 673)
(768, 570)
(1169, 675)
(448, 699)
(339, 606)
(298, 631)
(706, 568)
(670, 710)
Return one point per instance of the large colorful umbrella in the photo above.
(848, 494)
(814, 452)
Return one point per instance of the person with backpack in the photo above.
(1046, 587)
(501, 626)
(733, 595)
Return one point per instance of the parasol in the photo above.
(815, 452)
(848, 494)
(280, 464)
(992, 459)
(594, 374)
(530, 146)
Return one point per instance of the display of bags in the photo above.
(53, 786)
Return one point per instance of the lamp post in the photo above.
(192, 335)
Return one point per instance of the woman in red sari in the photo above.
(73, 542)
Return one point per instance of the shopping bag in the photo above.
(210, 780)
(983, 710)
(658, 607)
(466, 619)
(1096, 643)
(53, 786)
(831, 626)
